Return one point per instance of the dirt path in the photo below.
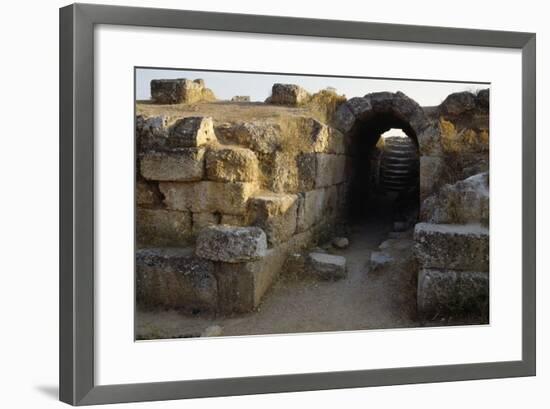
(363, 300)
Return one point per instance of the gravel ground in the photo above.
(363, 300)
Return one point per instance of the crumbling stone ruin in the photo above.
(180, 91)
(228, 200)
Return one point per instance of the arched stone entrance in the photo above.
(377, 112)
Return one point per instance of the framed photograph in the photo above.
(258, 204)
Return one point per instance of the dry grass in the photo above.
(456, 139)
(222, 111)
(324, 103)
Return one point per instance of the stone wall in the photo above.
(463, 124)
(259, 188)
(220, 204)
(452, 248)
(452, 242)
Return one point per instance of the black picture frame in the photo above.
(77, 21)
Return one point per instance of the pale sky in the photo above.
(258, 86)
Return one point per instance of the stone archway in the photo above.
(406, 112)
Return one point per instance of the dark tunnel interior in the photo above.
(384, 171)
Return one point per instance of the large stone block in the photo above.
(307, 171)
(442, 293)
(337, 142)
(431, 168)
(260, 136)
(162, 228)
(325, 139)
(288, 94)
(452, 247)
(231, 164)
(231, 244)
(344, 119)
(317, 170)
(191, 132)
(208, 197)
(147, 194)
(331, 170)
(310, 208)
(327, 266)
(151, 132)
(183, 165)
(242, 285)
(466, 201)
(175, 278)
(280, 172)
(276, 214)
(180, 90)
(458, 103)
(323, 207)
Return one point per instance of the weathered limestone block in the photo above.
(445, 292)
(336, 142)
(231, 164)
(281, 172)
(430, 174)
(331, 170)
(288, 94)
(151, 133)
(359, 106)
(319, 137)
(191, 132)
(181, 90)
(466, 201)
(344, 119)
(310, 208)
(162, 228)
(275, 214)
(242, 285)
(146, 194)
(452, 247)
(325, 139)
(458, 103)
(260, 136)
(208, 197)
(317, 170)
(320, 208)
(183, 165)
(175, 278)
(327, 266)
(203, 220)
(231, 244)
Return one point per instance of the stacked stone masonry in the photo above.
(232, 200)
(281, 184)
